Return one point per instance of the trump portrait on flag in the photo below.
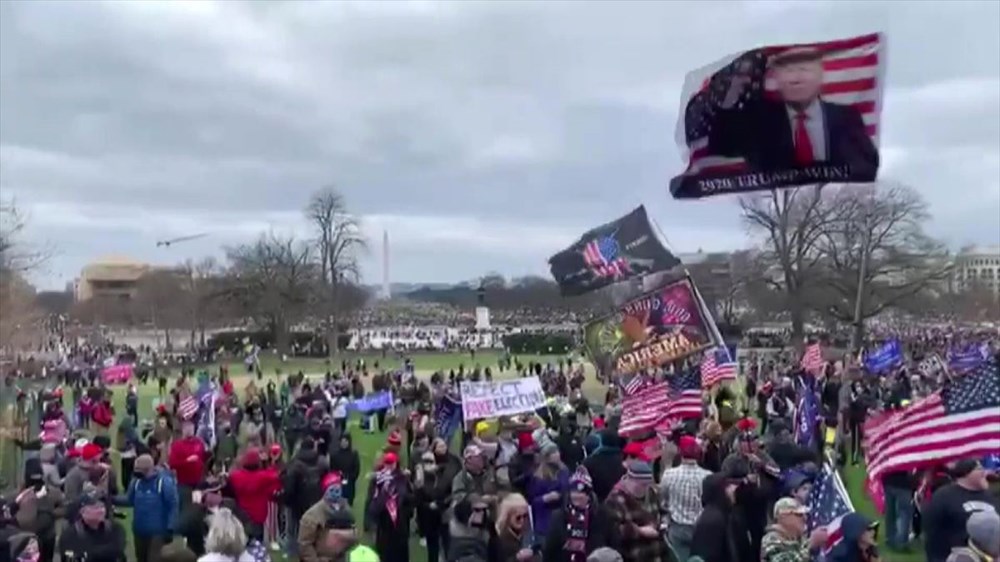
(799, 128)
(782, 116)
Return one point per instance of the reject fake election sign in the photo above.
(491, 399)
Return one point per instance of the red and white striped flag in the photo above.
(962, 420)
(717, 367)
(644, 409)
(187, 407)
(853, 75)
(812, 359)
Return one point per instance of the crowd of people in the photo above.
(230, 474)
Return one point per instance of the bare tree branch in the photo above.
(337, 242)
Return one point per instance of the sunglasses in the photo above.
(479, 510)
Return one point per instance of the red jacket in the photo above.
(253, 489)
(189, 472)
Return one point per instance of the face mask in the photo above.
(333, 495)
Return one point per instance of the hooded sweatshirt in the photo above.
(605, 464)
(720, 534)
(303, 480)
(853, 525)
(346, 461)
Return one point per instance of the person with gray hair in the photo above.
(226, 540)
(983, 528)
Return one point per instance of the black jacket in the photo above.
(719, 533)
(346, 461)
(303, 481)
(606, 469)
(79, 542)
(598, 534)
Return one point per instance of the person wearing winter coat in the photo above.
(312, 540)
(786, 540)
(858, 540)
(153, 497)
(226, 540)
(388, 510)
(514, 534)
(344, 459)
(476, 477)
(50, 468)
(253, 486)
(39, 508)
(187, 459)
(547, 487)
(303, 481)
(581, 527)
(473, 536)
(605, 464)
(719, 533)
(95, 537)
(983, 528)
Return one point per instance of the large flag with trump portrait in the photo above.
(782, 116)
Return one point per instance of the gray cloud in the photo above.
(486, 132)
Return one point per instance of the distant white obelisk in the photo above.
(386, 291)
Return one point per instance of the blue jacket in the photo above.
(154, 504)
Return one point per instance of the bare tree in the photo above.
(338, 241)
(791, 223)
(876, 254)
(204, 288)
(160, 300)
(19, 316)
(272, 281)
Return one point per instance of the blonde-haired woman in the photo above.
(547, 487)
(514, 533)
(226, 540)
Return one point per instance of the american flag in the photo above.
(962, 420)
(603, 257)
(716, 367)
(187, 407)
(852, 76)
(685, 395)
(634, 384)
(828, 504)
(644, 409)
(812, 359)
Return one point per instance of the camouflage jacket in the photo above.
(778, 548)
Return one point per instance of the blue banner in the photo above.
(962, 360)
(372, 402)
(447, 418)
(886, 357)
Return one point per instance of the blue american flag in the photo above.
(603, 257)
(828, 504)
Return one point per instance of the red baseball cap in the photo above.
(390, 458)
(91, 452)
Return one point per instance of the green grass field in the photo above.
(368, 445)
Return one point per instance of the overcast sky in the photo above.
(481, 136)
